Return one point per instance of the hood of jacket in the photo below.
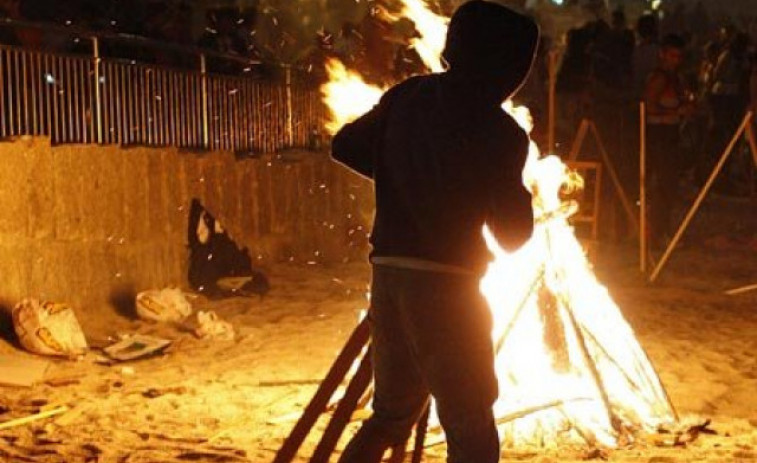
(490, 48)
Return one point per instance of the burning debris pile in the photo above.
(570, 368)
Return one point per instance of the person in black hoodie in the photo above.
(445, 159)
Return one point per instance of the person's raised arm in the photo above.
(511, 216)
(356, 143)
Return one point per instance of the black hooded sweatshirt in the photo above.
(444, 156)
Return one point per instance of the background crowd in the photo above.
(697, 75)
(604, 66)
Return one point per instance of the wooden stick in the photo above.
(700, 198)
(558, 404)
(511, 323)
(31, 418)
(578, 142)
(586, 434)
(290, 382)
(552, 105)
(742, 289)
(627, 376)
(344, 411)
(590, 365)
(643, 188)
(366, 398)
(602, 349)
(528, 411)
(597, 203)
(752, 140)
(511, 417)
(421, 428)
(614, 177)
(336, 374)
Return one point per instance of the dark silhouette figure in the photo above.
(445, 159)
(213, 255)
(667, 107)
(574, 78)
(646, 52)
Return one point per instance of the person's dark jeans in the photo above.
(663, 173)
(431, 334)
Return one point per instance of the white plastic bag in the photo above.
(165, 305)
(210, 326)
(48, 328)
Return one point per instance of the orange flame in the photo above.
(347, 95)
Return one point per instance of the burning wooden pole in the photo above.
(506, 332)
(640, 371)
(591, 366)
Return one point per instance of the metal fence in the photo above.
(81, 99)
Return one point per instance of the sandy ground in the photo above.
(237, 400)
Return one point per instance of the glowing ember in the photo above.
(569, 366)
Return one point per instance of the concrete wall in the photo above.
(85, 223)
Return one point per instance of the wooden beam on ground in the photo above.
(741, 290)
(32, 418)
(339, 369)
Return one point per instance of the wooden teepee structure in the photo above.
(601, 352)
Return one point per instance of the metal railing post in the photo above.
(289, 111)
(98, 90)
(205, 109)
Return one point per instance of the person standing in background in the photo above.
(667, 105)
